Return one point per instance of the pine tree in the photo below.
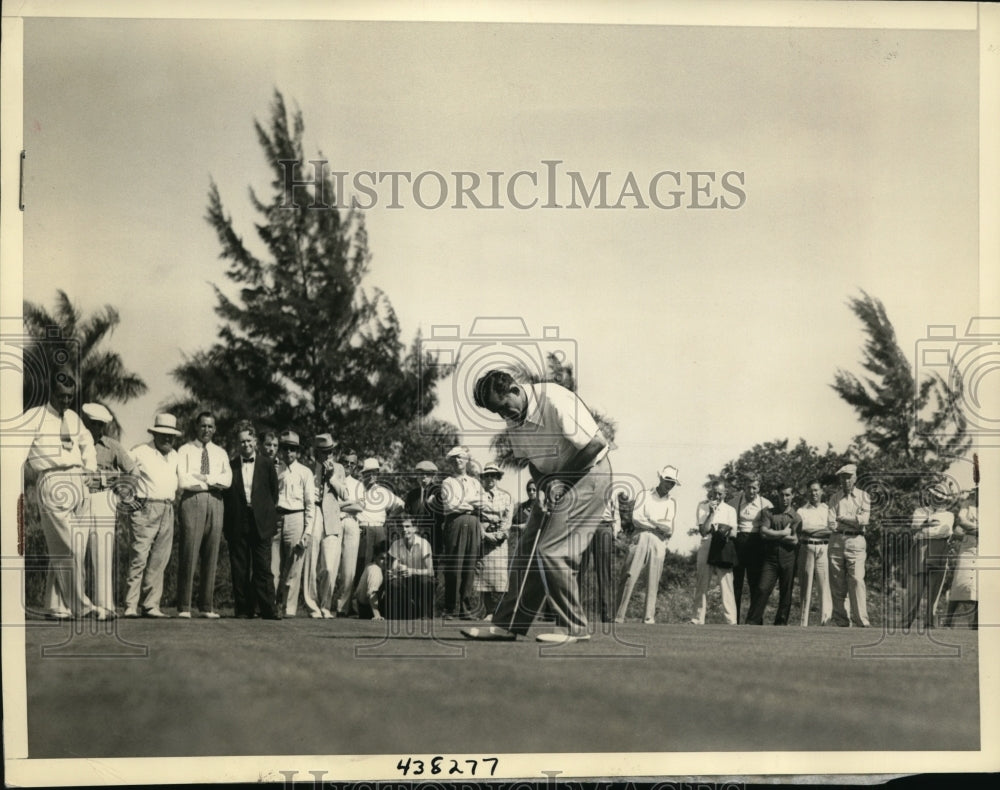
(302, 343)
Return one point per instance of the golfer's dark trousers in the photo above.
(250, 564)
(462, 545)
(551, 567)
(778, 567)
(602, 552)
(369, 536)
(927, 567)
(749, 558)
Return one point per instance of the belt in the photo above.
(850, 533)
(158, 501)
(286, 512)
(816, 541)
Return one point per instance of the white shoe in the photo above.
(316, 615)
(649, 621)
(184, 615)
(695, 621)
(562, 639)
(130, 613)
(489, 634)
(327, 614)
(488, 618)
(619, 620)
(211, 615)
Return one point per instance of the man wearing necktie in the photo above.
(250, 521)
(204, 475)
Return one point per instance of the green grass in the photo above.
(236, 687)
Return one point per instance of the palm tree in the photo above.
(65, 334)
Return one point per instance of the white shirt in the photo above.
(725, 516)
(49, 449)
(459, 493)
(376, 502)
(247, 471)
(655, 513)
(815, 520)
(556, 427)
(747, 511)
(157, 472)
(189, 464)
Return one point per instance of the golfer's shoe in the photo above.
(562, 639)
(155, 613)
(130, 613)
(184, 615)
(649, 621)
(490, 634)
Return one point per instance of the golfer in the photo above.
(552, 429)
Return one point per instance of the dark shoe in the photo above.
(271, 616)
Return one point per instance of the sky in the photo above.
(700, 331)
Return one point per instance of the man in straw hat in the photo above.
(653, 519)
(551, 428)
(152, 525)
(927, 563)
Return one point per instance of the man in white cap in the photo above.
(152, 530)
(205, 474)
(107, 489)
(931, 526)
(850, 511)
(296, 508)
(653, 519)
(377, 503)
(461, 500)
(551, 428)
(61, 454)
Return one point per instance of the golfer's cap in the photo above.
(323, 442)
(289, 439)
(458, 451)
(426, 466)
(370, 465)
(848, 469)
(97, 412)
(491, 469)
(669, 473)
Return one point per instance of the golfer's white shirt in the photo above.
(558, 425)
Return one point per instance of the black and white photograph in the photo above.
(452, 393)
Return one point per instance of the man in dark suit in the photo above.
(249, 522)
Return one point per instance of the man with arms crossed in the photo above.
(779, 528)
(653, 519)
(749, 548)
(850, 510)
(204, 474)
(552, 429)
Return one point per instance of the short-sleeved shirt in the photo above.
(748, 511)
(557, 426)
(725, 516)
(781, 520)
(416, 556)
(815, 520)
(61, 441)
(376, 502)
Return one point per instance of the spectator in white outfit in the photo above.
(715, 518)
(296, 513)
(653, 519)
(813, 560)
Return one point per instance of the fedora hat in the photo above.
(322, 442)
(165, 423)
(370, 465)
(289, 439)
(669, 473)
